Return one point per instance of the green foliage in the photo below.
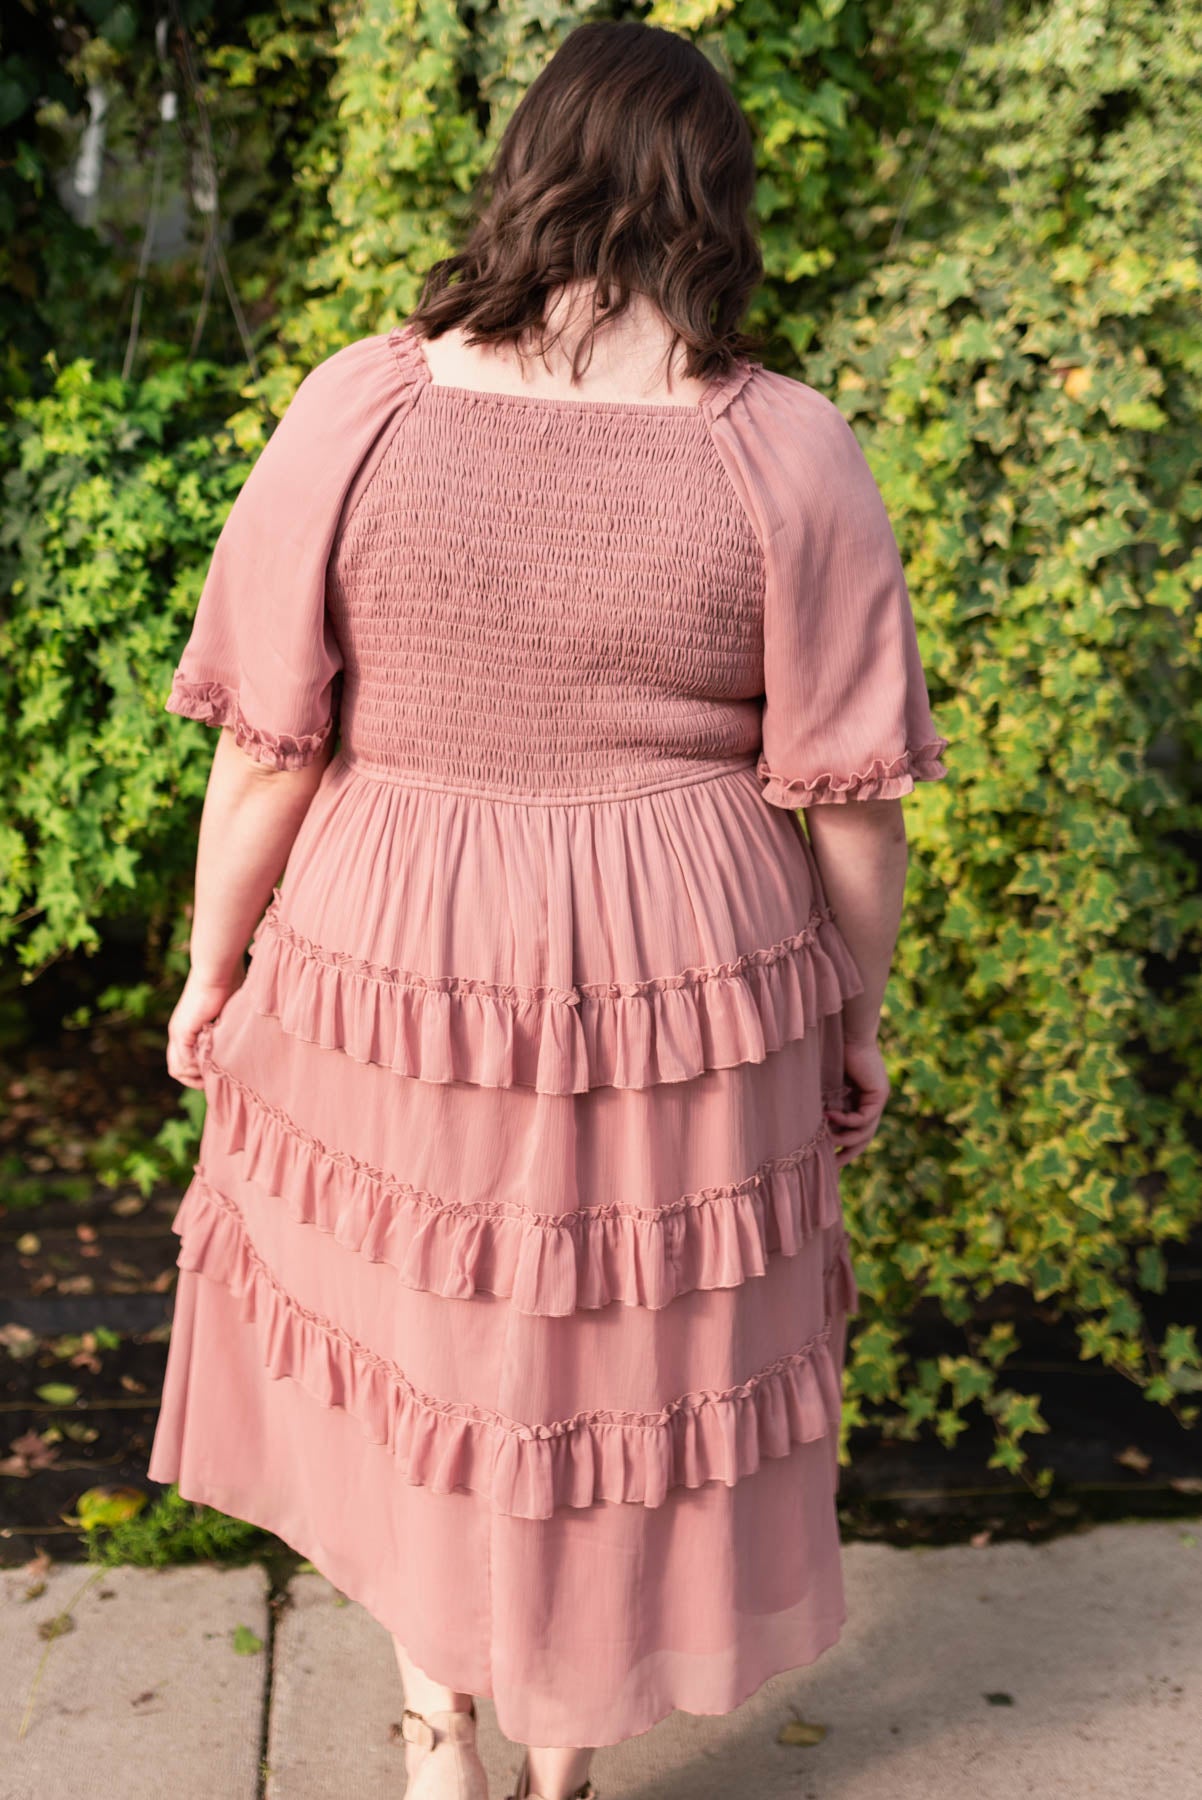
(113, 496)
(249, 125)
(174, 1530)
(1025, 381)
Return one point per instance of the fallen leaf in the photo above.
(1134, 1458)
(30, 1451)
(79, 1433)
(800, 1731)
(245, 1641)
(18, 1340)
(104, 1507)
(57, 1393)
(40, 1563)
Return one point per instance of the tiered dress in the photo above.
(513, 1277)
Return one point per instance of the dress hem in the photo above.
(828, 1629)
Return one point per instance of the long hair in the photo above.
(627, 162)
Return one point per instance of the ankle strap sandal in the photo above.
(428, 1729)
(445, 1736)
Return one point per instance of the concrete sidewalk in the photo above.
(1072, 1669)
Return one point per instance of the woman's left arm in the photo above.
(251, 817)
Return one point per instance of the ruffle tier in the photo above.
(558, 1040)
(618, 944)
(883, 779)
(527, 1471)
(545, 1264)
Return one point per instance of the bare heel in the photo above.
(523, 1791)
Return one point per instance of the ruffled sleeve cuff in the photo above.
(212, 703)
(883, 779)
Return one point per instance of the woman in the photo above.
(523, 1131)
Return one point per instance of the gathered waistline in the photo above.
(711, 772)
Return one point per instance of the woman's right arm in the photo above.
(862, 857)
(846, 723)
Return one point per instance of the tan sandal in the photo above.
(447, 1738)
(523, 1791)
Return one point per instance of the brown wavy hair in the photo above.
(627, 162)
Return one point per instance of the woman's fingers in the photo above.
(853, 1129)
(197, 1008)
(183, 1052)
(183, 1064)
(845, 1153)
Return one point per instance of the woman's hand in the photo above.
(198, 1005)
(864, 1067)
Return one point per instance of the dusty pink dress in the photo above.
(513, 1276)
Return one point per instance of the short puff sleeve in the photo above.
(263, 657)
(846, 714)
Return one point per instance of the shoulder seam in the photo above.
(385, 444)
(731, 384)
(410, 363)
(407, 394)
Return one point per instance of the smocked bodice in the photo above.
(547, 599)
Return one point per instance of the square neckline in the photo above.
(694, 409)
